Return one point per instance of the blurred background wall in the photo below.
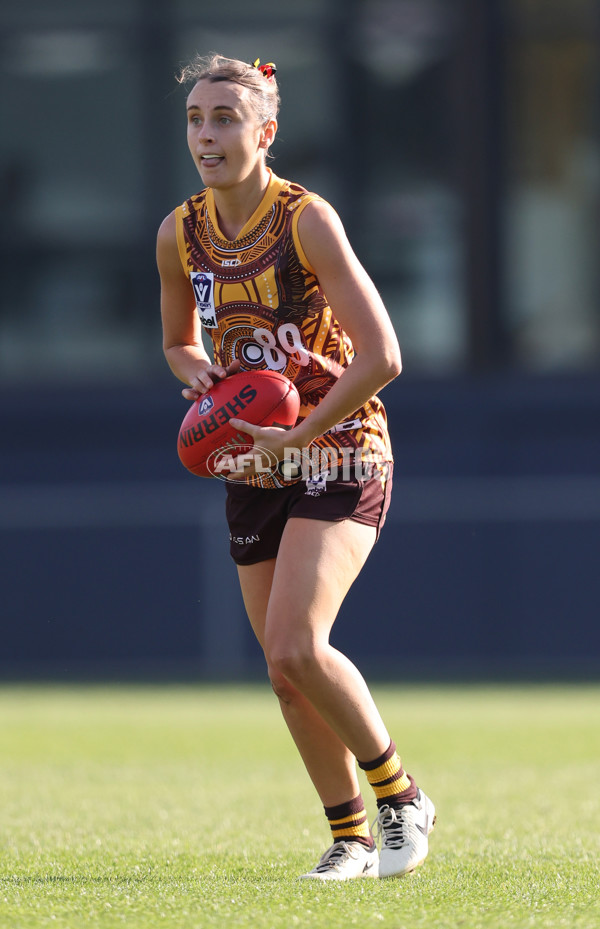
(460, 143)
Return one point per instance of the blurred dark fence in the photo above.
(115, 561)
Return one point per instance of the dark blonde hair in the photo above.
(214, 68)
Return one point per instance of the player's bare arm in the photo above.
(359, 309)
(182, 331)
(357, 306)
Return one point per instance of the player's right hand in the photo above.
(207, 377)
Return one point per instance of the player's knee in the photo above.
(282, 688)
(293, 664)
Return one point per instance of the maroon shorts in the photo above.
(257, 517)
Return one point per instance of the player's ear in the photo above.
(268, 133)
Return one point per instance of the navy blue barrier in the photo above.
(114, 561)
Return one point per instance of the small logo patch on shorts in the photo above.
(316, 484)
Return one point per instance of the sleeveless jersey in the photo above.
(261, 303)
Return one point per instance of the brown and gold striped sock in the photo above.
(349, 823)
(392, 785)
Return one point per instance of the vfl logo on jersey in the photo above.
(203, 283)
(205, 405)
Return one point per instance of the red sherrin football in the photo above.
(264, 398)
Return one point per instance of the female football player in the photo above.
(266, 267)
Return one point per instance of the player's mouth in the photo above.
(211, 161)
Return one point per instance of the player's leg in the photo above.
(257, 520)
(330, 765)
(316, 564)
(258, 523)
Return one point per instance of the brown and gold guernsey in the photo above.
(261, 302)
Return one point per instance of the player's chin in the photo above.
(209, 179)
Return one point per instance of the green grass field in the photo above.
(188, 807)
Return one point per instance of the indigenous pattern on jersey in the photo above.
(261, 303)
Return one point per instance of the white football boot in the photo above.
(346, 860)
(404, 834)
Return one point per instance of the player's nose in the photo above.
(206, 135)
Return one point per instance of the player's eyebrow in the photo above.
(194, 106)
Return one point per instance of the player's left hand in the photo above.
(270, 443)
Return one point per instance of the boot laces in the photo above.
(391, 826)
(336, 856)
